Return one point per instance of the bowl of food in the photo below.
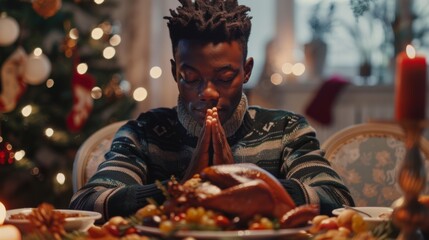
(373, 216)
(71, 220)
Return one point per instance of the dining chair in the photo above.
(91, 153)
(367, 156)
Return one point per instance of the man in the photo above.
(212, 124)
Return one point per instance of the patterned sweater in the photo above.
(156, 146)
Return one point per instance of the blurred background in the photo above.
(70, 67)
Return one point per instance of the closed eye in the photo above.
(188, 80)
(189, 77)
(227, 76)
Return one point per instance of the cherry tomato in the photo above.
(130, 230)
(222, 221)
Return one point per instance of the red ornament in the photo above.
(6, 153)
(46, 8)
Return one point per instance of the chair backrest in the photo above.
(367, 156)
(91, 153)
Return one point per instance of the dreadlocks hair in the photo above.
(211, 21)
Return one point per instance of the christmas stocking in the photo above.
(321, 106)
(82, 101)
(12, 82)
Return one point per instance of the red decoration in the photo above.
(46, 8)
(6, 153)
(322, 104)
(12, 83)
(410, 89)
(82, 101)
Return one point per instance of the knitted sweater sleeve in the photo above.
(309, 176)
(119, 187)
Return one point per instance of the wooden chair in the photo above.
(91, 154)
(367, 156)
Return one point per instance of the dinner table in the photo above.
(82, 225)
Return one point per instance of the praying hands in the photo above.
(212, 147)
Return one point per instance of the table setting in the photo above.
(180, 218)
(151, 222)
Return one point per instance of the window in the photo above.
(350, 42)
(370, 37)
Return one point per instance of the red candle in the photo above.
(410, 89)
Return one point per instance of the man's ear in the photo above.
(248, 67)
(173, 69)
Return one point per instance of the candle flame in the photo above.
(411, 52)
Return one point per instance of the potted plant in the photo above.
(372, 35)
(315, 50)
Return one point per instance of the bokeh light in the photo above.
(109, 52)
(26, 111)
(140, 94)
(276, 79)
(155, 72)
(82, 68)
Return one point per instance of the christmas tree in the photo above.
(60, 82)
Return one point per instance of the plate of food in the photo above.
(225, 201)
(71, 220)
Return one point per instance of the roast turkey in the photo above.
(239, 190)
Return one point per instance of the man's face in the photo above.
(210, 75)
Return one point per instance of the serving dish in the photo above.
(377, 215)
(80, 220)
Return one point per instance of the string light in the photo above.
(109, 52)
(49, 132)
(61, 178)
(74, 34)
(50, 83)
(96, 92)
(115, 40)
(140, 94)
(26, 111)
(37, 52)
(98, 2)
(19, 155)
(82, 68)
(97, 33)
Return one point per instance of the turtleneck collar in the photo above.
(230, 126)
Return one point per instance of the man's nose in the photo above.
(208, 91)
